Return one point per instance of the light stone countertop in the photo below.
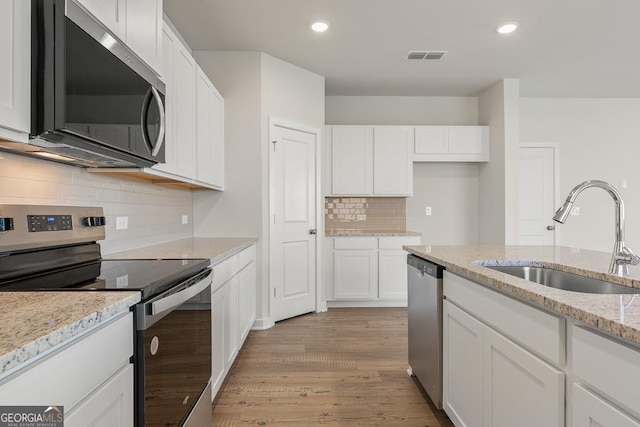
(616, 314)
(216, 248)
(368, 233)
(33, 323)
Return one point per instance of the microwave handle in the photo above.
(154, 148)
(160, 139)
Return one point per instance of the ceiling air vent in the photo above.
(426, 54)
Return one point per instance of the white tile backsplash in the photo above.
(154, 212)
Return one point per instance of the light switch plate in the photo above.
(185, 219)
(427, 211)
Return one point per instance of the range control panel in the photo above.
(39, 226)
(49, 222)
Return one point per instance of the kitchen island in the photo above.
(519, 353)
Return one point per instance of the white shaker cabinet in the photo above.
(143, 31)
(462, 367)
(494, 378)
(351, 159)
(233, 311)
(15, 69)
(367, 271)
(95, 370)
(183, 107)
(590, 410)
(451, 144)
(370, 160)
(209, 132)
(138, 23)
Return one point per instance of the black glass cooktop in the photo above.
(150, 276)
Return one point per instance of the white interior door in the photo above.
(538, 183)
(293, 223)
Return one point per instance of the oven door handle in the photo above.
(174, 300)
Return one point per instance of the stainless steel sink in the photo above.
(563, 280)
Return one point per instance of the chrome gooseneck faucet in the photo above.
(622, 256)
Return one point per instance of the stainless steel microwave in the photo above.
(94, 102)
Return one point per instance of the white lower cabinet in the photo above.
(489, 378)
(518, 384)
(109, 406)
(233, 311)
(91, 377)
(356, 273)
(367, 270)
(590, 410)
(462, 367)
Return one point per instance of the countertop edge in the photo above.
(589, 317)
(19, 358)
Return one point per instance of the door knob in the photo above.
(313, 231)
(551, 227)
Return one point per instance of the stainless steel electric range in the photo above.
(55, 248)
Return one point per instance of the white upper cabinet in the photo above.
(451, 144)
(368, 160)
(138, 23)
(351, 159)
(143, 32)
(392, 164)
(209, 132)
(15, 73)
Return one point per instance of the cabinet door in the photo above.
(15, 67)
(183, 81)
(352, 160)
(431, 140)
(355, 274)
(219, 320)
(168, 41)
(231, 337)
(111, 13)
(143, 30)
(392, 164)
(590, 410)
(109, 406)
(209, 132)
(392, 279)
(462, 362)
(519, 389)
(465, 140)
(246, 301)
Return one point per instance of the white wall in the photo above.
(401, 110)
(598, 139)
(255, 87)
(154, 212)
(451, 189)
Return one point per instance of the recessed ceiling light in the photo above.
(320, 26)
(507, 27)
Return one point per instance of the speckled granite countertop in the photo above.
(35, 322)
(368, 233)
(216, 248)
(616, 314)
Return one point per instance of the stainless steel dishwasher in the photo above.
(425, 325)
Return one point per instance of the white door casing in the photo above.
(293, 188)
(538, 193)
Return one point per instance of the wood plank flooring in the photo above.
(345, 367)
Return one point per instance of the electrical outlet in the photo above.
(427, 211)
(122, 222)
(575, 211)
(185, 219)
(623, 183)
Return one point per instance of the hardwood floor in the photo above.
(345, 367)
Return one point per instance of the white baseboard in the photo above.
(262, 324)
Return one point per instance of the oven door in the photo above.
(173, 356)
